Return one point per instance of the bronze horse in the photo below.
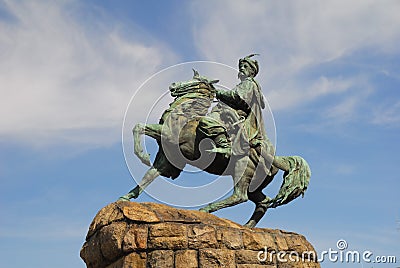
(192, 100)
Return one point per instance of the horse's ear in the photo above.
(195, 73)
(214, 81)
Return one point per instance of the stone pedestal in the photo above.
(140, 235)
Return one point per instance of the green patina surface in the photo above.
(236, 127)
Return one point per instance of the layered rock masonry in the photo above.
(149, 235)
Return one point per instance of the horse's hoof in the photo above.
(123, 198)
(145, 159)
(250, 224)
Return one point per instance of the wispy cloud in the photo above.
(388, 115)
(295, 37)
(349, 108)
(292, 94)
(66, 77)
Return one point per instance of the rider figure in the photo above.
(247, 100)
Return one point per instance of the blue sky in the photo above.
(329, 69)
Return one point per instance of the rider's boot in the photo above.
(223, 145)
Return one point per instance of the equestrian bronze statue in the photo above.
(229, 140)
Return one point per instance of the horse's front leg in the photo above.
(148, 178)
(137, 132)
(151, 130)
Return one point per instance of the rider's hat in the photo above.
(253, 63)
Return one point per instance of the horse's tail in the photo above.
(295, 179)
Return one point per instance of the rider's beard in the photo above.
(241, 76)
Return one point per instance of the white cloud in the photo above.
(293, 37)
(69, 79)
(344, 109)
(293, 94)
(388, 115)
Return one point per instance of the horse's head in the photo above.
(198, 83)
(200, 78)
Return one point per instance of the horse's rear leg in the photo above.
(259, 212)
(261, 200)
(148, 178)
(244, 171)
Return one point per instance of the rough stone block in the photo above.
(281, 243)
(213, 258)
(246, 256)
(139, 213)
(167, 230)
(105, 216)
(91, 252)
(186, 259)
(133, 260)
(254, 266)
(135, 238)
(160, 258)
(230, 238)
(258, 240)
(202, 236)
(168, 236)
(111, 237)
